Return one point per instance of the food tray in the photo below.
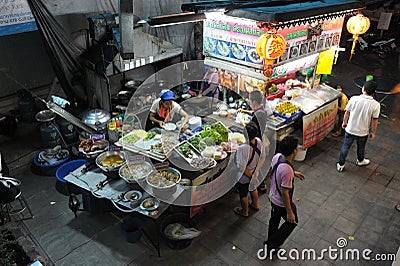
(193, 151)
(138, 133)
(293, 117)
(146, 144)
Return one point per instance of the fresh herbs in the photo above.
(186, 150)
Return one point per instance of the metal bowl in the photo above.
(134, 166)
(163, 185)
(45, 116)
(110, 155)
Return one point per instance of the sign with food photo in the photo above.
(310, 38)
(232, 39)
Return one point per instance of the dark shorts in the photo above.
(243, 189)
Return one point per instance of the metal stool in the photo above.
(8, 198)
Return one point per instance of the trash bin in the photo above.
(131, 228)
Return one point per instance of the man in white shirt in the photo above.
(360, 121)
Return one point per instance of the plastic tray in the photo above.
(293, 117)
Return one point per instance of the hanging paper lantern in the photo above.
(270, 46)
(357, 25)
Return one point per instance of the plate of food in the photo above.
(150, 204)
(320, 44)
(169, 126)
(303, 48)
(133, 195)
(209, 45)
(254, 57)
(238, 51)
(284, 55)
(133, 136)
(203, 163)
(328, 42)
(223, 48)
(336, 39)
(294, 52)
(91, 148)
(164, 178)
(312, 46)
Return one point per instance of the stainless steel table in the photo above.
(114, 190)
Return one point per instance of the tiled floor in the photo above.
(357, 204)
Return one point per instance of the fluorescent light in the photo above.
(214, 14)
(173, 19)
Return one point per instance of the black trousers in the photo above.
(277, 235)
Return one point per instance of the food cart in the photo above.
(310, 30)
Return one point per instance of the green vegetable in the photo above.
(186, 150)
(150, 135)
(195, 141)
(212, 134)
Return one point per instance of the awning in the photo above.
(273, 11)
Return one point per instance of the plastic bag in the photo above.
(178, 231)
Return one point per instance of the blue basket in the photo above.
(67, 168)
(58, 163)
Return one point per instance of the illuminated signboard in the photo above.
(234, 39)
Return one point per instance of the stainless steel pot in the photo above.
(96, 118)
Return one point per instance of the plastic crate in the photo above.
(293, 117)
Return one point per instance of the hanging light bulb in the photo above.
(357, 25)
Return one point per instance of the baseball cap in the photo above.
(167, 95)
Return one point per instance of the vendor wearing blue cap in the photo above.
(163, 109)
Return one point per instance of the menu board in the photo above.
(232, 39)
(15, 17)
(310, 38)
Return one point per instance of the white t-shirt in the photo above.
(155, 108)
(362, 109)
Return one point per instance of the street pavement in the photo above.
(356, 204)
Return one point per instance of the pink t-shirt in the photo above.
(284, 179)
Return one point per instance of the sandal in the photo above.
(251, 206)
(397, 207)
(239, 211)
(336, 134)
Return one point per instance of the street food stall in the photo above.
(145, 171)
(306, 35)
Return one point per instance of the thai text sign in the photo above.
(15, 17)
(318, 124)
(232, 39)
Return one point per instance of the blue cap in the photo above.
(167, 95)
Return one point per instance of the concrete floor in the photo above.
(357, 204)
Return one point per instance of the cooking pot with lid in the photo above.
(96, 118)
(132, 85)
